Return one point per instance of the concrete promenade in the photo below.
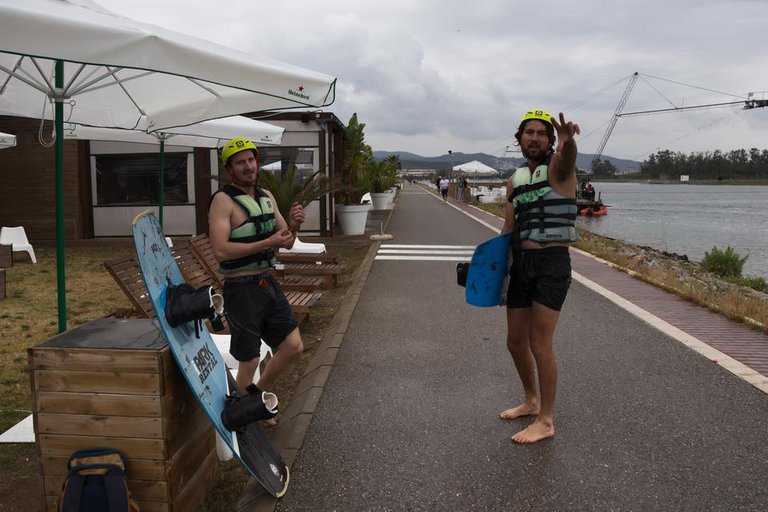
(399, 410)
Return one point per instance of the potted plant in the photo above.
(351, 214)
(382, 176)
(394, 161)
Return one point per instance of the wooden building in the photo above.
(107, 183)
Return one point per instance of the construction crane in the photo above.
(748, 104)
(614, 119)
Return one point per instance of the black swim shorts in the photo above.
(256, 309)
(541, 275)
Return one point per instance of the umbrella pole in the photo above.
(161, 182)
(61, 290)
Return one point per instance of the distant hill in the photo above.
(444, 162)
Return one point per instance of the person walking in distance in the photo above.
(246, 228)
(462, 185)
(540, 213)
(444, 183)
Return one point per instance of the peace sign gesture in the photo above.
(565, 130)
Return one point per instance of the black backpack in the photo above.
(96, 483)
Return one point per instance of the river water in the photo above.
(688, 219)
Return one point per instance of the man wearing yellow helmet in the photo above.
(246, 228)
(540, 214)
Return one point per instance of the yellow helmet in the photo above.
(541, 115)
(235, 146)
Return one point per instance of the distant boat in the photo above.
(594, 210)
(590, 206)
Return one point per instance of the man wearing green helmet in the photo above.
(540, 214)
(246, 228)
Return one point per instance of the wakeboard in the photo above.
(487, 274)
(201, 362)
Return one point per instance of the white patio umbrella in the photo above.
(112, 71)
(7, 140)
(206, 134)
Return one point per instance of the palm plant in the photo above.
(382, 175)
(287, 191)
(357, 156)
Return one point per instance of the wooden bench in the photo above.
(288, 272)
(307, 257)
(293, 281)
(197, 274)
(127, 273)
(329, 272)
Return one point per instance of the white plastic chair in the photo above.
(17, 237)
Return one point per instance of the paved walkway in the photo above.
(399, 410)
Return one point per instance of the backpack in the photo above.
(96, 483)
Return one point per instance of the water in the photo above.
(688, 219)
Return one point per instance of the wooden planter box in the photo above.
(2, 283)
(6, 255)
(114, 383)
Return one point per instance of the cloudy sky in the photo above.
(427, 76)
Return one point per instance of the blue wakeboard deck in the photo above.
(200, 361)
(488, 271)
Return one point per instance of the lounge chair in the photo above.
(17, 237)
(201, 246)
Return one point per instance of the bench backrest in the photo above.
(200, 245)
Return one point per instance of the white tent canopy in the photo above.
(206, 134)
(475, 167)
(7, 140)
(118, 71)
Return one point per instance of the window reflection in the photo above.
(278, 160)
(131, 179)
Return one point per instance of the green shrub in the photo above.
(725, 263)
(756, 283)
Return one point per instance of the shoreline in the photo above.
(678, 274)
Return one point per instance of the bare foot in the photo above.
(535, 432)
(525, 409)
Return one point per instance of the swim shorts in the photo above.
(540, 275)
(256, 309)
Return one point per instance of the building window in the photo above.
(278, 160)
(132, 179)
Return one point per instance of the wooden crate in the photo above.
(2, 283)
(114, 382)
(6, 255)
